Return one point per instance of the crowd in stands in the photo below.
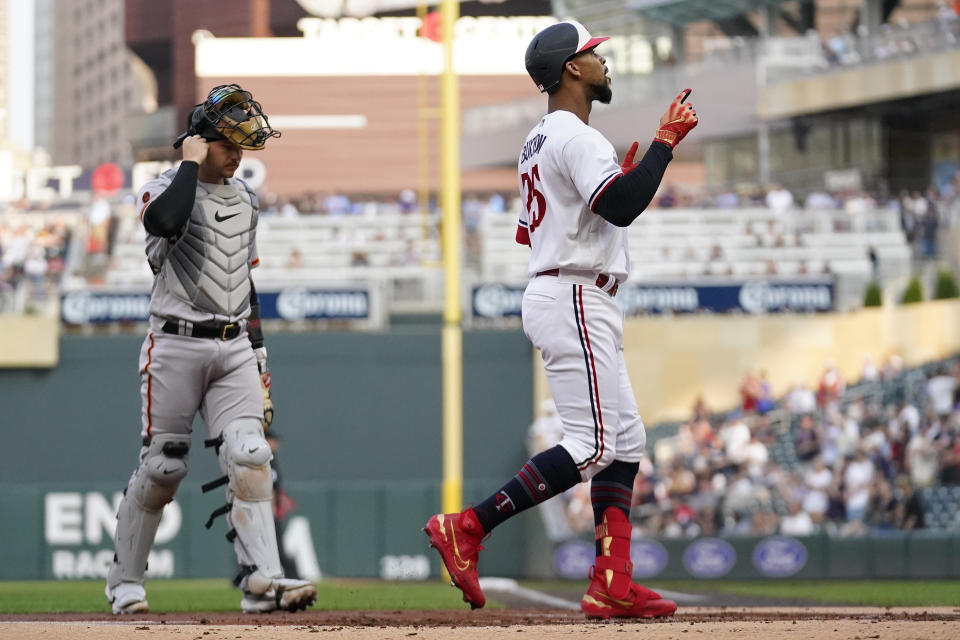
(32, 253)
(925, 218)
(894, 40)
(824, 459)
(922, 214)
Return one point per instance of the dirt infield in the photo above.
(774, 623)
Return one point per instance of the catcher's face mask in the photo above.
(231, 113)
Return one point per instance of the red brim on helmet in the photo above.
(592, 42)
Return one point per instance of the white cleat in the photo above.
(283, 593)
(127, 597)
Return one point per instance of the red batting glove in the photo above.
(678, 120)
(628, 162)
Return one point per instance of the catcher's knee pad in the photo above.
(245, 456)
(163, 464)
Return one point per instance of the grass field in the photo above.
(220, 595)
(881, 593)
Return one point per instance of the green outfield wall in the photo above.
(359, 417)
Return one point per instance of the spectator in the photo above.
(909, 515)
(817, 481)
(408, 201)
(929, 223)
(289, 210)
(819, 200)
(797, 523)
(950, 459)
(801, 399)
(735, 435)
(807, 440)
(922, 457)
(756, 456)
(750, 392)
(868, 370)
(892, 368)
(668, 198)
(765, 401)
(701, 411)
(940, 389)
(779, 199)
(882, 507)
(831, 385)
(857, 478)
(295, 259)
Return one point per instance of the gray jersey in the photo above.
(203, 273)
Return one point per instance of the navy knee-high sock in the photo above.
(612, 487)
(542, 477)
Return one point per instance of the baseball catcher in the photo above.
(204, 352)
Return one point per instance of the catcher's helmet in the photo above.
(550, 49)
(229, 113)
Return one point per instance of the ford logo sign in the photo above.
(779, 557)
(709, 558)
(574, 559)
(649, 557)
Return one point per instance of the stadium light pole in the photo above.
(452, 354)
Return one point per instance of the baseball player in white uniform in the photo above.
(578, 200)
(204, 352)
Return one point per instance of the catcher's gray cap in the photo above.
(550, 49)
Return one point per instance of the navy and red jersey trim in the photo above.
(602, 187)
(523, 233)
(593, 388)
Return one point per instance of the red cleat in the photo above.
(457, 537)
(639, 602)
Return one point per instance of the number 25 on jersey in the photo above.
(536, 212)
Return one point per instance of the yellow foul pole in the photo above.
(450, 204)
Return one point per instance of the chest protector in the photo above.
(209, 266)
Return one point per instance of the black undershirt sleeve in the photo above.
(254, 330)
(166, 215)
(626, 197)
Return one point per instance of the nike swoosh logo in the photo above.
(255, 449)
(625, 603)
(167, 472)
(218, 218)
(462, 565)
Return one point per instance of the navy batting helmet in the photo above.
(550, 49)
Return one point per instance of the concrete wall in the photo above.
(29, 340)
(860, 85)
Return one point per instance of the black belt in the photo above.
(225, 331)
(602, 280)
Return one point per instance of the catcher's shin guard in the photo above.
(245, 457)
(163, 464)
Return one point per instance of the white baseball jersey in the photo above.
(565, 166)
